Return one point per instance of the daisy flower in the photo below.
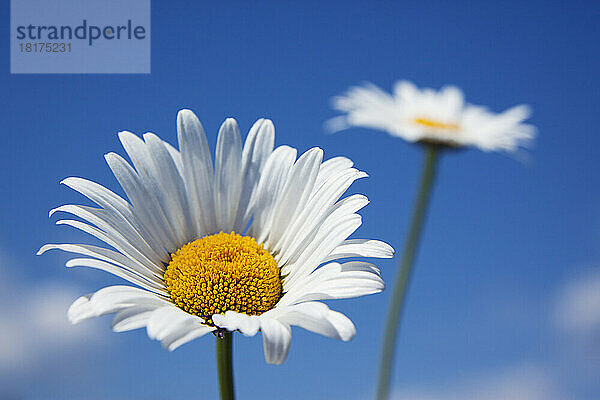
(429, 116)
(250, 244)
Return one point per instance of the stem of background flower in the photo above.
(401, 284)
(224, 365)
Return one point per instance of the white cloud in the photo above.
(520, 382)
(572, 363)
(578, 306)
(563, 360)
(34, 325)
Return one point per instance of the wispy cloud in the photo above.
(570, 363)
(34, 322)
(518, 382)
(34, 325)
(578, 305)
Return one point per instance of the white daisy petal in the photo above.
(336, 124)
(405, 90)
(361, 248)
(276, 340)
(185, 332)
(109, 235)
(344, 288)
(80, 310)
(109, 300)
(313, 215)
(173, 188)
(271, 184)
(176, 156)
(166, 321)
(117, 271)
(198, 170)
(117, 209)
(257, 148)
(342, 324)
(366, 106)
(232, 321)
(98, 194)
(109, 256)
(336, 281)
(134, 317)
(317, 317)
(330, 167)
(144, 203)
(453, 99)
(437, 117)
(141, 157)
(295, 194)
(324, 242)
(228, 176)
(338, 225)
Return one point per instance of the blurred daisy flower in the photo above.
(429, 116)
(438, 120)
(249, 244)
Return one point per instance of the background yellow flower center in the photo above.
(223, 272)
(435, 124)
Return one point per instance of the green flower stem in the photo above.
(225, 365)
(401, 284)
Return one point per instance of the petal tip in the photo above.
(79, 310)
(54, 210)
(185, 113)
(42, 250)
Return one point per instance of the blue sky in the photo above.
(504, 301)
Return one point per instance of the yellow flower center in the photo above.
(435, 124)
(223, 272)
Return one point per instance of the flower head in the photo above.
(425, 115)
(246, 245)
